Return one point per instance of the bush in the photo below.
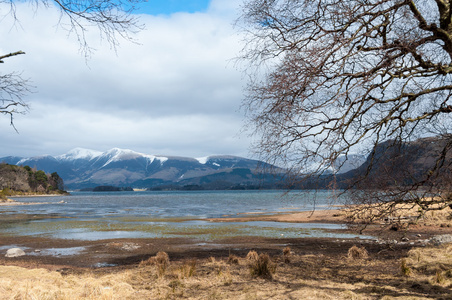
(263, 267)
(5, 193)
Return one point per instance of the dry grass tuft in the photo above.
(233, 259)
(188, 269)
(162, 258)
(287, 254)
(357, 253)
(263, 267)
(161, 261)
(431, 264)
(252, 255)
(404, 269)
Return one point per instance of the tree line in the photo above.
(24, 180)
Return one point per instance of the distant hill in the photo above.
(83, 168)
(25, 180)
(398, 164)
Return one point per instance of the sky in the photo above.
(176, 91)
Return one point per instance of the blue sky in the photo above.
(166, 7)
(176, 91)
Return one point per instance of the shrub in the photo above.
(263, 267)
(252, 255)
(357, 253)
(287, 253)
(3, 194)
(233, 259)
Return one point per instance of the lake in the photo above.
(110, 215)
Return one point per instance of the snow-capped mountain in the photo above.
(82, 168)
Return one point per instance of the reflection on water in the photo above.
(95, 216)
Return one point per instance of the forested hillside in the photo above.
(25, 180)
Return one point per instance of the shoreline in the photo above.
(128, 252)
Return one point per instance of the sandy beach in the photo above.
(333, 216)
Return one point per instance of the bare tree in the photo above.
(330, 78)
(113, 19)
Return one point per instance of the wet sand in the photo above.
(333, 216)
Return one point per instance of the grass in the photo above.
(356, 252)
(262, 267)
(399, 216)
(308, 276)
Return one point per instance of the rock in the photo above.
(441, 239)
(124, 246)
(405, 239)
(130, 246)
(14, 252)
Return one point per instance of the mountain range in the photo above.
(83, 168)
(400, 163)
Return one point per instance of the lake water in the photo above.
(94, 216)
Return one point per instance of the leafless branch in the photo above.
(344, 76)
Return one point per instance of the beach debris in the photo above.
(130, 246)
(15, 252)
(124, 246)
(441, 239)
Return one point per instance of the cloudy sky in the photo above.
(175, 92)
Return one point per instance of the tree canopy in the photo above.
(331, 78)
(112, 18)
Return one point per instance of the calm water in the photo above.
(92, 216)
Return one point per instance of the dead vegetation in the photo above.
(357, 253)
(421, 273)
(397, 217)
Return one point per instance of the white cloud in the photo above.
(175, 93)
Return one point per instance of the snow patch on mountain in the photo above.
(203, 160)
(117, 154)
(79, 153)
(25, 160)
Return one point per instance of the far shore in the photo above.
(11, 202)
(37, 195)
